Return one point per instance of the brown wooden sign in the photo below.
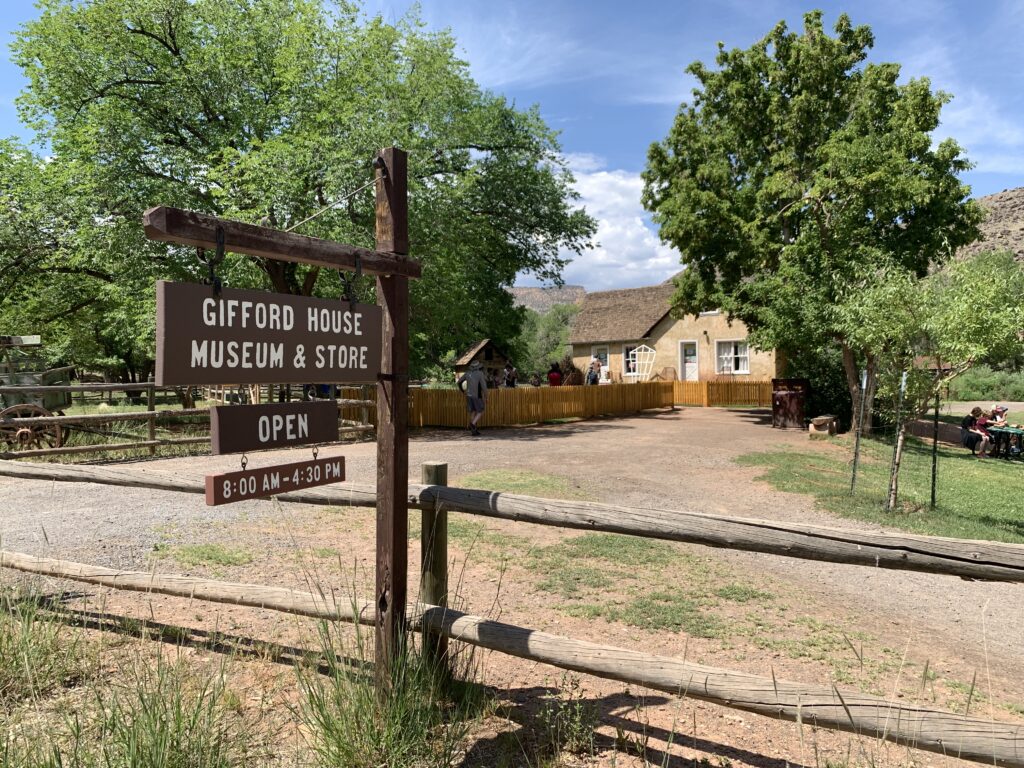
(240, 428)
(256, 337)
(261, 483)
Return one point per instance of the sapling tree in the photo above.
(932, 330)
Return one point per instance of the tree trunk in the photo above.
(894, 477)
(853, 383)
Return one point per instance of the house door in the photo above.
(688, 360)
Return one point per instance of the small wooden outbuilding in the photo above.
(491, 358)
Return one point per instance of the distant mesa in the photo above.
(1003, 228)
(542, 299)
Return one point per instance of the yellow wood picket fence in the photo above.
(530, 405)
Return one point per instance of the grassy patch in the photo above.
(38, 655)
(211, 554)
(741, 593)
(961, 511)
(629, 551)
(570, 581)
(671, 611)
(524, 482)
(326, 553)
(469, 533)
(423, 720)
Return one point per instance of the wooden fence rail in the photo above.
(982, 560)
(946, 733)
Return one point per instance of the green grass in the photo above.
(976, 499)
(37, 655)
(628, 551)
(668, 611)
(523, 481)
(422, 721)
(211, 554)
(741, 593)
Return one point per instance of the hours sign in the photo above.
(256, 337)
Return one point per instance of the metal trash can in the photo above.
(789, 398)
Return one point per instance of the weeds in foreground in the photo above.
(37, 655)
(568, 721)
(164, 714)
(423, 719)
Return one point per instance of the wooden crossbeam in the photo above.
(175, 225)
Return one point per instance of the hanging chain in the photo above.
(349, 282)
(245, 461)
(316, 452)
(212, 262)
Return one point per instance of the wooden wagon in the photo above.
(21, 368)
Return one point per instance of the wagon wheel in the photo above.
(25, 438)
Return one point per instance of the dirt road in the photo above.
(882, 631)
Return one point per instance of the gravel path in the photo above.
(681, 460)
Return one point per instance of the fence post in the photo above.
(434, 562)
(705, 400)
(151, 407)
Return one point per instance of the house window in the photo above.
(601, 353)
(628, 359)
(732, 357)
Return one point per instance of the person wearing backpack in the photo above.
(474, 386)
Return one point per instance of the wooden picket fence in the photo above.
(532, 405)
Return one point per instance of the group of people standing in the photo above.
(975, 430)
(475, 382)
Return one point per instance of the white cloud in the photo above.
(628, 253)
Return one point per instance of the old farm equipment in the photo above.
(21, 367)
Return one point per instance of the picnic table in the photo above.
(1001, 437)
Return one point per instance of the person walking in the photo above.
(474, 385)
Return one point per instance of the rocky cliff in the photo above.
(543, 299)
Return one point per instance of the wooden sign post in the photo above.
(390, 262)
(392, 416)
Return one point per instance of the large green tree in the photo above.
(796, 164)
(270, 111)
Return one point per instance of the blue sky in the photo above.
(609, 75)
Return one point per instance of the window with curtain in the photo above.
(732, 357)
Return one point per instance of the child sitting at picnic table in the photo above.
(975, 435)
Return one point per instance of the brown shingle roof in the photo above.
(467, 358)
(625, 315)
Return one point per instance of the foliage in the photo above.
(825, 474)
(986, 383)
(37, 655)
(545, 338)
(829, 394)
(269, 111)
(796, 166)
(421, 720)
(925, 332)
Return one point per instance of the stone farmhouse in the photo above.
(611, 324)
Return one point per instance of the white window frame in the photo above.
(718, 357)
(711, 312)
(625, 357)
(682, 359)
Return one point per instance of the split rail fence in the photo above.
(427, 408)
(99, 424)
(972, 738)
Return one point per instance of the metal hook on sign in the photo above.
(316, 452)
(348, 283)
(245, 462)
(213, 262)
